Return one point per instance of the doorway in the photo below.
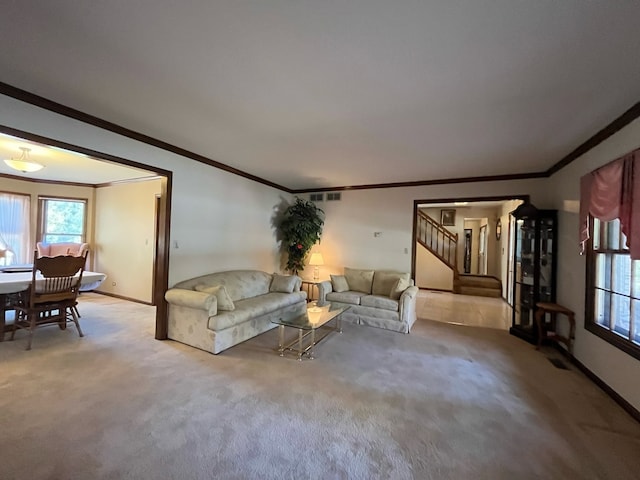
(484, 252)
(163, 204)
(468, 245)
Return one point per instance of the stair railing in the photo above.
(438, 240)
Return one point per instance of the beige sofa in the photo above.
(380, 299)
(216, 311)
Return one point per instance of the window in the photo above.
(613, 288)
(62, 220)
(15, 241)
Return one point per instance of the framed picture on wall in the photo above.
(448, 217)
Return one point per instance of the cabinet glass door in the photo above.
(525, 272)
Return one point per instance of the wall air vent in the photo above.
(333, 196)
(316, 197)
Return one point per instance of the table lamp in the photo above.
(315, 261)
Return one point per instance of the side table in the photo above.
(544, 334)
(309, 286)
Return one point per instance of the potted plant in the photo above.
(300, 228)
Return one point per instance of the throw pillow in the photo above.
(359, 280)
(224, 300)
(400, 286)
(339, 283)
(384, 281)
(283, 283)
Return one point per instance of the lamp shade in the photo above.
(316, 259)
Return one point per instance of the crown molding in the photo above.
(38, 101)
(39, 180)
(421, 183)
(31, 98)
(618, 124)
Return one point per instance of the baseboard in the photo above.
(435, 289)
(122, 297)
(627, 407)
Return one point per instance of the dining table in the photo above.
(16, 279)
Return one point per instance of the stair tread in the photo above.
(480, 291)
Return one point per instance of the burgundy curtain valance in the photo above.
(610, 192)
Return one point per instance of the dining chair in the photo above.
(51, 296)
(63, 248)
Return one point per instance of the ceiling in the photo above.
(64, 166)
(311, 94)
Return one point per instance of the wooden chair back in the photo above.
(60, 278)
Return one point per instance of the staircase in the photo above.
(444, 245)
(439, 241)
(479, 285)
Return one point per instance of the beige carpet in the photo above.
(446, 402)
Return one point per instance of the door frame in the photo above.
(421, 201)
(163, 220)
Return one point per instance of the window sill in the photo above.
(615, 340)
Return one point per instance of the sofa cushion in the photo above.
(400, 286)
(339, 283)
(379, 301)
(254, 307)
(240, 284)
(283, 283)
(350, 297)
(359, 280)
(383, 282)
(224, 300)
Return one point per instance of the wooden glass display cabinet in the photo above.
(534, 262)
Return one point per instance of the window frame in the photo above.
(41, 217)
(590, 324)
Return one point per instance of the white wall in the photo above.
(219, 221)
(618, 369)
(502, 245)
(125, 238)
(431, 272)
(348, 238)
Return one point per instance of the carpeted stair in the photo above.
(479, 285)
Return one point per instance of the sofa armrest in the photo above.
(324, 288)
(408, 306)
(192, 299)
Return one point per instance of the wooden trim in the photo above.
(38, 101)
(162, 259)
(122, 297)
(78, 149)
(626, 406)
(416, 203)
(590, 325)
(22, 194)
(414, 235)
(127, 180)
(41, 180)
(499, 198)
(161, 271)
(31, 98)
(422, 183)
(436, 289)
(40, 216)
(618, 124)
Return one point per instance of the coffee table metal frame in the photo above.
(316, 318)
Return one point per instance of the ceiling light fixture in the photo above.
(23, 164)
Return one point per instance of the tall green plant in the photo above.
(300, 229)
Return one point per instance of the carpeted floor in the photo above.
(445, 402)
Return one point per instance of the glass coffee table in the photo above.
(316, 318)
